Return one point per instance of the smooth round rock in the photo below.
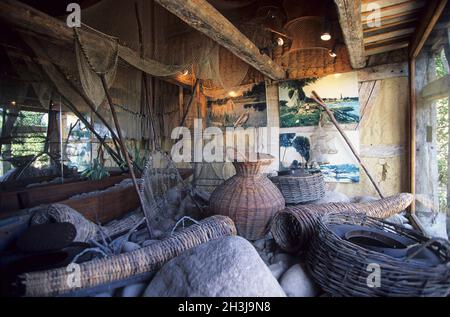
(226, 267)
(297, 282)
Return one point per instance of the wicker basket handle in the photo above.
(441, 242)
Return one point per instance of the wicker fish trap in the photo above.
(160, 174)
(343, 267)
(115, 268)
(300, 188)
(86, 229)
(294, 227)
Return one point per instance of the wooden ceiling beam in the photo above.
(386, 48)
(389, 25)
(33, 21)
(351, 24)
(388, 35)
(429, 19)
(382, 4)
(203, 17)
(401, 8)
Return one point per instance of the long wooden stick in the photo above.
(125, 152)
(319, 101)
(191, 101)
(145, 92)
(91, 107)
(115, 156)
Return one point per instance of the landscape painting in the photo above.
(339, 91)
(239, 109)
(324, 150)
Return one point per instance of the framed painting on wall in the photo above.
(325, 150)
(339, 91)
(245, 109)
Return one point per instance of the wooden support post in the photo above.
(203, 17)
(180, 101)
(125, 152)
(145, 93)
(319, 101)
(412, 132)
(191, 101)
(429, 19)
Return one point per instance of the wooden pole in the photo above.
(115, 156)
(412, 132)
(191, 101)
(145, 93)
(317, 99)
(125, 152)
(91, 106)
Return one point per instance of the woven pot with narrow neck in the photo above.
(249, 198)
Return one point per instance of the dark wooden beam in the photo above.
(352, 28)
(203, 17)
(386, 48)
(31, 20)
(429, 19)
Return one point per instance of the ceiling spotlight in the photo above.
(326, 36)
(13, 103)
(232, 93)
(280, 41)
(332, 53)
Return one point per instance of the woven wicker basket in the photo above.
(300, 188)
(118, 267)
(294, 227)
(249, 198)
(343, 268)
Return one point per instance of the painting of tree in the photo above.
(286, 141)
(303, 147)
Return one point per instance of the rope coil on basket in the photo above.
(341, 267)
(294, 227)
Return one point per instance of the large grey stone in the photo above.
(297, 282)
(134, 290)
(226, 267)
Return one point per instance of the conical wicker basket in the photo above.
(294, 227)
(249, 198)
(115, 268)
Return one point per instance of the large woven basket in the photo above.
(294, 227)
(344, 268)
(300, 188)
(249, 198)
(119, 267)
